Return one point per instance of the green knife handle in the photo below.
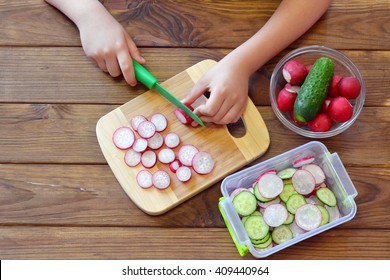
(144, 76)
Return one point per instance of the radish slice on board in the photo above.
(136, 120)
(123, 137)
(161, 179)
(302, 161)
(303, 182)
(148, 159)
(156, 141)
(316, 171)
(144, 179)
(174, 165)
(132, 158)
(140, 145)
(146, 129)
(160, 121)
(275, 215)
(172, 140)
(183, 173)
(308, 217)
(186, 153)
(166, 155)
(202, 163)
(270, 185)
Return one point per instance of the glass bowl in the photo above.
(342, 66)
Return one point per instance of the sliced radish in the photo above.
(202, 163)
(302, 161)
(172, 140)
(132, 157)
(334, 213)
(156, 141)
(140, 145)
(266, 204)
(161, 179)
(166, 155)
(160, 121)
(146, 129)
(303, 181)
(296, 230)
(123, 137)
(316, 171)
(275, 215)
(294, 72)
(148, 159)
(174, 165)
(183, 173)
(308, 217)
(273, 171)
(270, 185)
(186, 153)
(136, 120)
(144, 179)
(182, 116)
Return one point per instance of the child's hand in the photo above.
(106, 42)
(228, 87)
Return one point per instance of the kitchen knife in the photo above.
(145, 77)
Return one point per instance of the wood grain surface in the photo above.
(58, 196)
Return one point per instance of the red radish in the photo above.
(182, 116)
(294, 72)
(349, 87)
(136, 120)
(286, 100)
(202, 163)
(148, 159)
(144, 179)
(302, 161)
(340, 110)
(316, 171)
(166, 155)
(140, 145)
(159, 121)
(303, 181)
(321, 123)
(275, 215)
(123, 137)
(132, 158)
(161, 179)
(334, 86)
(183, 173)
(186, 153)
(156, 141)
(174, 165)
(172, 140)
(308, 217)
(273, 171)
(146, 129)
(270, 185)
(291, 88)
(325, 105)
(294, 120)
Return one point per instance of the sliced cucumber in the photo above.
(256, 227)
(281, 234)
(262, 240)
(245, 203)
(264, 245)
(286, 173)
(326, 196)
(294, 202)
(288, 190)
(289, 220)
(324, 213)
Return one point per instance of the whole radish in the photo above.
(340, 110)
(349, 87)
(294, 72)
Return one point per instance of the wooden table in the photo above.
(59, 198)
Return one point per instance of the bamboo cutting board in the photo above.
(229, 153)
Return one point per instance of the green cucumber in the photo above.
(314, 90)
(245, 203)
(326, 196)
(281, 234)
(256, 227)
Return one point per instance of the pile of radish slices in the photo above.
(283, 204)
(146, 144)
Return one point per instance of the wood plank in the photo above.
(75, 79)
(89, 195)
(199, 24)
(167, 243)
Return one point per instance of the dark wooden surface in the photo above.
(60, 200)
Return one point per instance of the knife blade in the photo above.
(145, 77)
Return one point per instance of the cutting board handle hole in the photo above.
(237, 129)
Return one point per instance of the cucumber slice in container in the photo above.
(282, 234)
(326, 196)
(294, 202)
(245, 203)
(256, 227)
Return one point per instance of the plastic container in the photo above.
(337, 180)
(342, 66)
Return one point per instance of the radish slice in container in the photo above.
(334, 213)
(146, 129)
(174, 165)
(140, 145)
(160, 121)
(183, 173)
(148, 159)
(156, 141)
(161, 179)
(172, 140)
(166, 155)
(144, 179)
(316, 171)
(303, 182)
(202, 163)
(308, 217)
(136, 120)
(302, 161)
(132, 158)
(186, 153)
(273, 171)
(275, 215)
(266, 204)
(296, 230)
(123, 137)
(270, 185)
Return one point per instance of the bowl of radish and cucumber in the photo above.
(317, 92)
(287, 199)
